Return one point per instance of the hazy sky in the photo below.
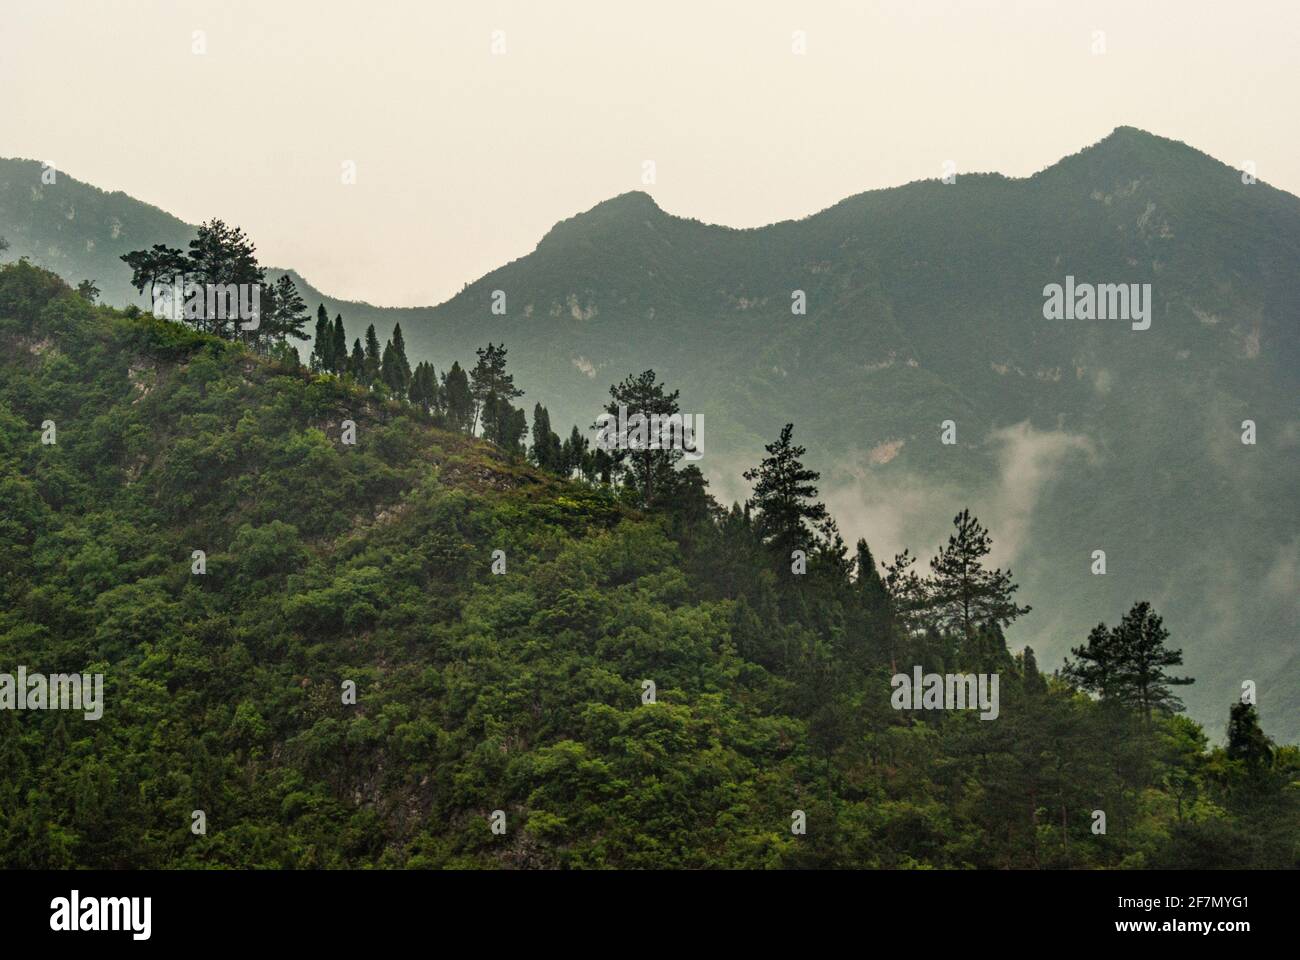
(465, 158)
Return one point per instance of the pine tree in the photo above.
(402, 372)
(1246, 740)
(1098, 668)
(1126, 664)
(391, 372)
(458, 399)
(415, 392)
(1144, 656)
(339, 346)
(873, 598)
(283, 312)
(424, 387)
(158, 264)
(322, 349)
(964, 595)
(986, 651)
(503, 424)
(574, 455)
(546, 451)
(1029, 672)
(649, 452)
(870, 587)
(433, 387)
(909, 598)
(357, 362)
(374, 361)
(489, 376)
(221, 254)
(788, 517)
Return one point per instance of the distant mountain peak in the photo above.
(634, 204)
(617, 214)
(1126, 137)
(633, 200)
(1123, 131)
(1132, 152)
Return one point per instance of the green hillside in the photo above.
(227, 692)
(924, 304)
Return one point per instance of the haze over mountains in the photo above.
(925, 304)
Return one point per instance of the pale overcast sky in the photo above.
(465, 158)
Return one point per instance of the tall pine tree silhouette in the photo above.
(964, 594)
(788, 516)
(374, 359)
(338, 346)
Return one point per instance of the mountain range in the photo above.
(924, 306)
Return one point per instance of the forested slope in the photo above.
(523, 691)
(923, 304)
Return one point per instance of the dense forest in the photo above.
(349, 617)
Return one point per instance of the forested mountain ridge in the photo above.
(924, 305)
(520, 691)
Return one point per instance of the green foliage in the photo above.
(964, 595)
(330, 565)
(788, 515)
(902, 333)
(1127, 663)
(547, 451)
(460, 402)
(642, 454)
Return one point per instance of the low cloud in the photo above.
(1284, 573)
(1028, 460)
(893, 508)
